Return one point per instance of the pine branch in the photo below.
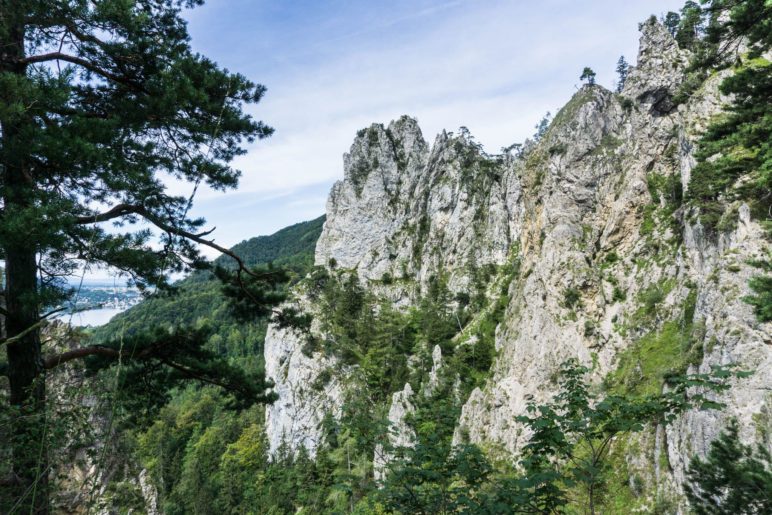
(85, 63)
(54, 361)
(130, 209)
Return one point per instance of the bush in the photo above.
(571, 297)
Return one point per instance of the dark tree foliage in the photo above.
(100, 102)
(732, 479)
(622, 70)
(761, 300)
(671, 22)
(252, 295)
(761, 286)
(588, 75)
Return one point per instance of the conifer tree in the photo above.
(622, 70)
(734, 159)
(732, 479)
(588, 75)
(690, 25)
(99, 101)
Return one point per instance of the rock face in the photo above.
(593, 212)
(407, 211)
(400, 435)
(307, 389)
(149, 493)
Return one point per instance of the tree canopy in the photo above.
(589, 75)
(103, 105)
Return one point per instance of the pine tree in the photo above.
(100, 101)
(732, 479)
(690, 25)
(622, 70)
(588, 75)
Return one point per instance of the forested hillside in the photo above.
(199, 419)
(198, 299)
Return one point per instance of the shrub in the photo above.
(571, 297)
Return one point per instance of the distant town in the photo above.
(103, 296)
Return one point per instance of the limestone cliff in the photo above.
(609, 258)
(406, 210)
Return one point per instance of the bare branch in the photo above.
(115, 212)
(95, 350)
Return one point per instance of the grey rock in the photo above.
(567, 205)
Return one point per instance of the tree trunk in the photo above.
(26, 373)
(27, 382)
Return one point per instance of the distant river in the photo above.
(92, 317)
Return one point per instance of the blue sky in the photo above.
(333, 67)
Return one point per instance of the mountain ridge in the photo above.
(610, 261)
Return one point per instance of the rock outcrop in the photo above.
(593, 210)
(405, 210)
(309, 387)
(400, 434)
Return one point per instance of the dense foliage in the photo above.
(101, 105)
(372, 338)
(208, 459)
(734, 478)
